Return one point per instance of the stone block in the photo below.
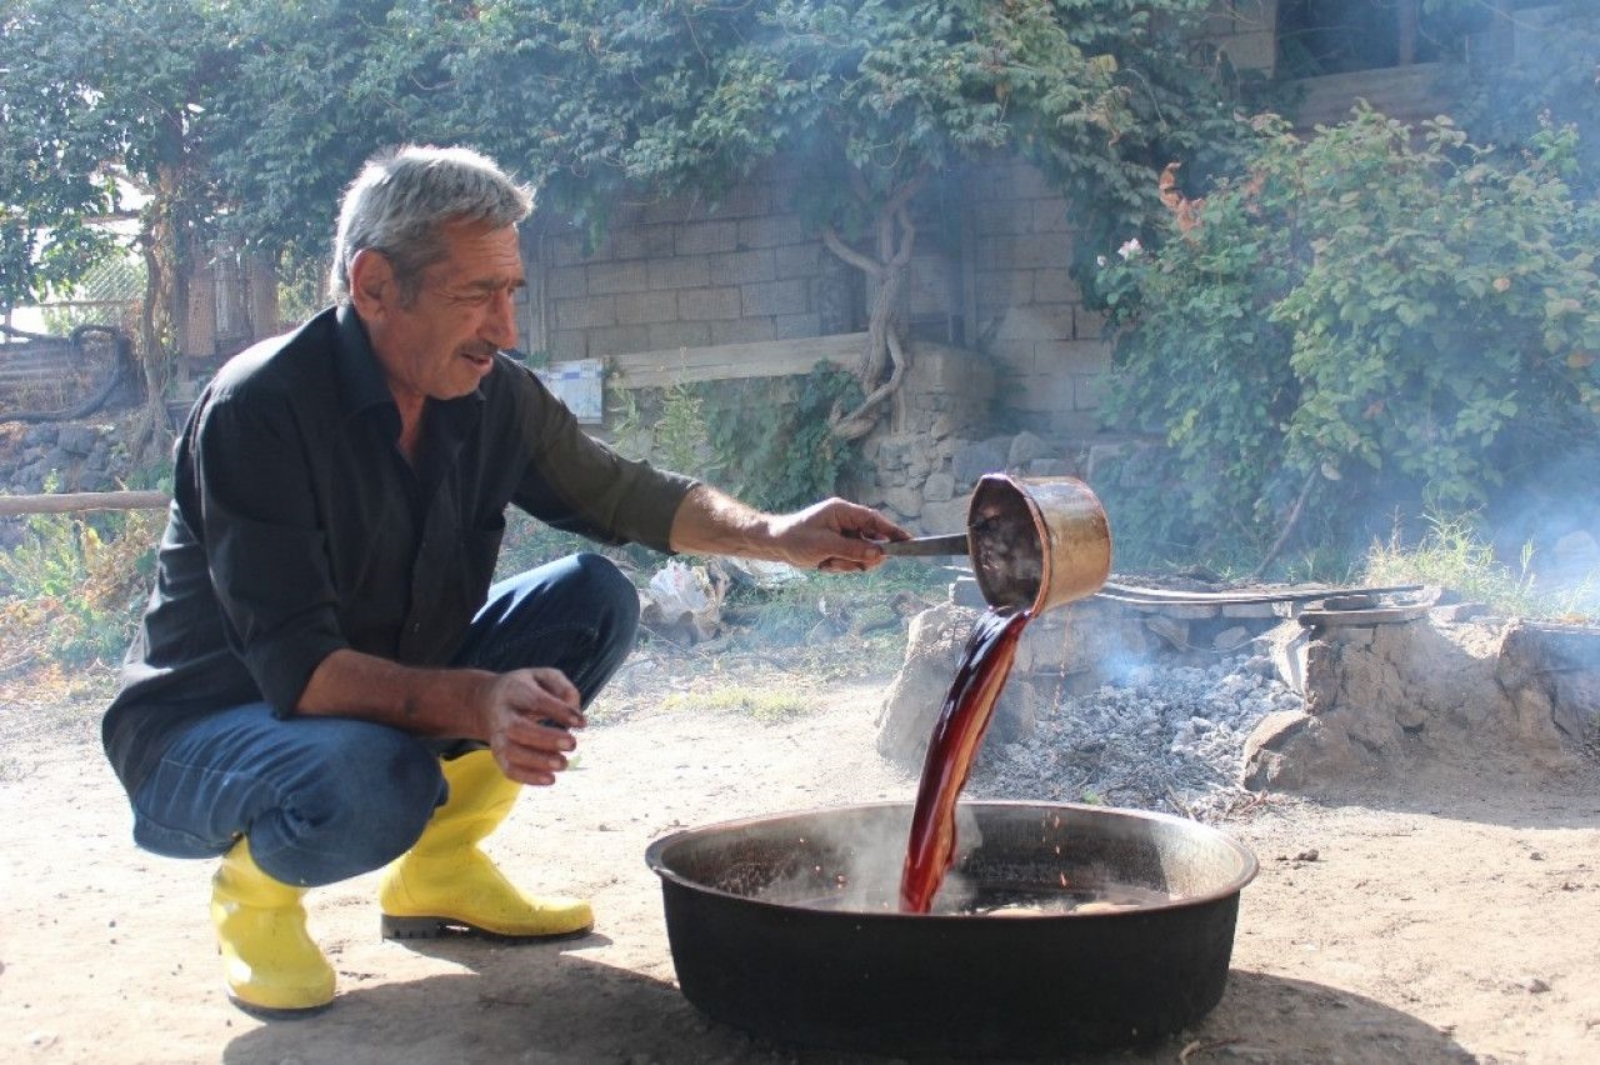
(1088, 324)
(904, 499)
(974, 460)
(1025, 447)
(949, 516)
(939, 488)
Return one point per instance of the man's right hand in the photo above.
(527, 717)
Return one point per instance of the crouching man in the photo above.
(324, 682)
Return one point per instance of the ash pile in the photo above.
(1197, 709)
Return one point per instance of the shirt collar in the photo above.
(362, 384)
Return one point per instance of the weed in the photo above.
(760, 703)
(1451, 554)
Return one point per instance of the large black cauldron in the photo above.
(787, 927)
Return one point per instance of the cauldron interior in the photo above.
(787, 927)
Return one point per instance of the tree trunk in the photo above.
(158, 243)
(885, 360)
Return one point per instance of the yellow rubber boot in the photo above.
(444, 882)
(270, 961)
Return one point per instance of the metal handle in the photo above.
(953, 544)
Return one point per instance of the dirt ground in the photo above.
(1449, 918)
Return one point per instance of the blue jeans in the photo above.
(327, 798)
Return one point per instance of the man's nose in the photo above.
(500, 324)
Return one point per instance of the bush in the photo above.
(1363, 326)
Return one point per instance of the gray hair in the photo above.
(401, 201)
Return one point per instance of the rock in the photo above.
(1025, 448)
(973, 461)
(939, 488)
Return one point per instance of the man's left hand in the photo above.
(834, 536)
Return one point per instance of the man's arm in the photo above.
(522, 715)
(832, 535)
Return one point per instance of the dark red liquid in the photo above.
(981, 674)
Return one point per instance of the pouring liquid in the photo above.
(981, 674)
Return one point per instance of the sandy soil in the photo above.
(1451, 919)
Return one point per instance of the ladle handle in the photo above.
(953, 544)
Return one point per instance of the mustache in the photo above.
(480, 350)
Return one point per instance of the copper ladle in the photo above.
(1035, 543)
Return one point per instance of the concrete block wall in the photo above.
(1246, 31)
(1049, 351)
(681, 273)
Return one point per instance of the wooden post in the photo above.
(70, 502)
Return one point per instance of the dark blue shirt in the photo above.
(298, 528)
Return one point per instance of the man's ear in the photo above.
(372, 284)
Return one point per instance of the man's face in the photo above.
(443, 342)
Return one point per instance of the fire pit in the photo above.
(1062, 928)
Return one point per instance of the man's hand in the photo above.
(527, 715)
(835, 536)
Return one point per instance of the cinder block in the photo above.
(611, 278)
(777, 297)
(680, 271)
(796, 326)
(1088, 324)
(1089, 391)
(1088, 357)
(704, 304)
(1050, 216)
(1055, 286)
(798, 260)
(1252, 51)
(699, 238)
(742, 267)
(586, 313)
(569, 344)
(1037, 321)
(619, 340)
(641, 242)
(667, 335)
(644, 308)
(1001, 217)
(565, 282)
(743, 331)
(999, 288)
(772, 231)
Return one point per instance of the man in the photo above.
(324, 682)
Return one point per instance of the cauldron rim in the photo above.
(1249, 866)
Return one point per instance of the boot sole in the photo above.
(438, 927)
(278, 1013)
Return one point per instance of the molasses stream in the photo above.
(1033, 545)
